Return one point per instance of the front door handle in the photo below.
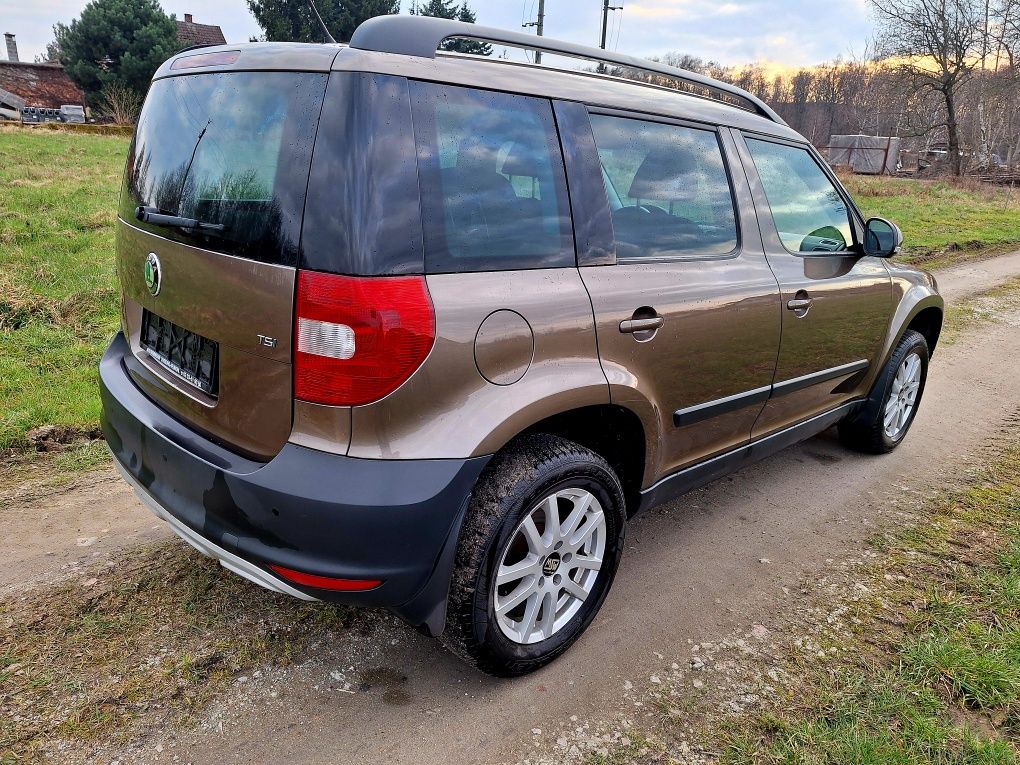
(800, 304)
(631, 326)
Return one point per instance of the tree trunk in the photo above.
(953, 129)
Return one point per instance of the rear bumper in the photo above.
(393, 520)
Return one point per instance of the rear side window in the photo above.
(227, 148)
(808, 211)
(669, 192)
(493, 192)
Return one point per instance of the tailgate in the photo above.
(232, 302)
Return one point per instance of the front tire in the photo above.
(889, 411)
(537, 555)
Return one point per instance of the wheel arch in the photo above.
(611, 431)
(928, 322)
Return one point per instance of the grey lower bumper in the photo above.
(210, 549)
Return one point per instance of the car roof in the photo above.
(591, 88)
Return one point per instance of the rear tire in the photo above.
(513, 554)
(881, 424)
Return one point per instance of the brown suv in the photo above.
(423, 330)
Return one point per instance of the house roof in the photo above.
(189, 33)
(44, 85)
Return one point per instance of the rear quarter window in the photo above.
(493, 192)
(229, 148)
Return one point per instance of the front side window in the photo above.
(493, 191)
(669, 193)
(810, 214)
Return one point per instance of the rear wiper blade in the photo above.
(155, 217)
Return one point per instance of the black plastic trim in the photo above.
(594, 237)
(806, 381)
(690, 478)
(719, 406)
(312, 511)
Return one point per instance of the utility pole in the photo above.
(539, 25)
(606, 8)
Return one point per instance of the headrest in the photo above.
(665, 175)
(520, 161)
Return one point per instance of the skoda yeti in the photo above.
(422, 331)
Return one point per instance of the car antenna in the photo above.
(321, 22)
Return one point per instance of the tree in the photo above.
(119, 42)
(52, 48)
(446, 9)
(937, 44)
(293, 20)
(120, 104)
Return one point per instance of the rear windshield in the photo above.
(231, 149)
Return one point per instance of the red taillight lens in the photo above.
(326, 582)
(358, 339)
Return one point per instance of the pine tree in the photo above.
(474, 47)
(293, 20)
(446, 9)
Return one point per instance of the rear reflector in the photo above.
(326, 582)
(358, 339)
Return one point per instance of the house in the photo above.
(23, 83)
(190, 33)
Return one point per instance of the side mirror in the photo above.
(882, 238)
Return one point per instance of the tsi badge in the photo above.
(152, 273)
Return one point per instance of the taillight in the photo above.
(357, 339)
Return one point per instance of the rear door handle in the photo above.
(799, 304)
(630, 326)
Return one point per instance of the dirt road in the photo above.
(716, 560)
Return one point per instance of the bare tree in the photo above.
(120, 103)
(936, 45)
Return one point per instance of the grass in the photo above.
(932, 671)
(147, 639)
(58, 297)
(943, 221)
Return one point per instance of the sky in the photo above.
(789, 33)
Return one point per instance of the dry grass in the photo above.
(145, 639)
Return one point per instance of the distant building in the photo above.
(189, 33)
(23, 83)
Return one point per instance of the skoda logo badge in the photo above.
(152, 274)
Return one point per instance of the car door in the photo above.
(687, 312)
(836, 302)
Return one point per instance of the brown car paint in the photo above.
(229, 300)
(448, 409)
(490, 375)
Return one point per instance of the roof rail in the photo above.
(422, 36)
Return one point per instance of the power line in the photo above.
(606, 8)
(539, 25)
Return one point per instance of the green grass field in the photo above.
(58, 299)
(936, 215)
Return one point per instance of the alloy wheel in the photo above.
(902, 396)
(549, 567)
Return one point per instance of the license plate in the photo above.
(191, 357)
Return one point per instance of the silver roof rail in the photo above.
(422, 36)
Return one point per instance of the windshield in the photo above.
(230, 149)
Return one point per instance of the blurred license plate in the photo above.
(191, 357)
